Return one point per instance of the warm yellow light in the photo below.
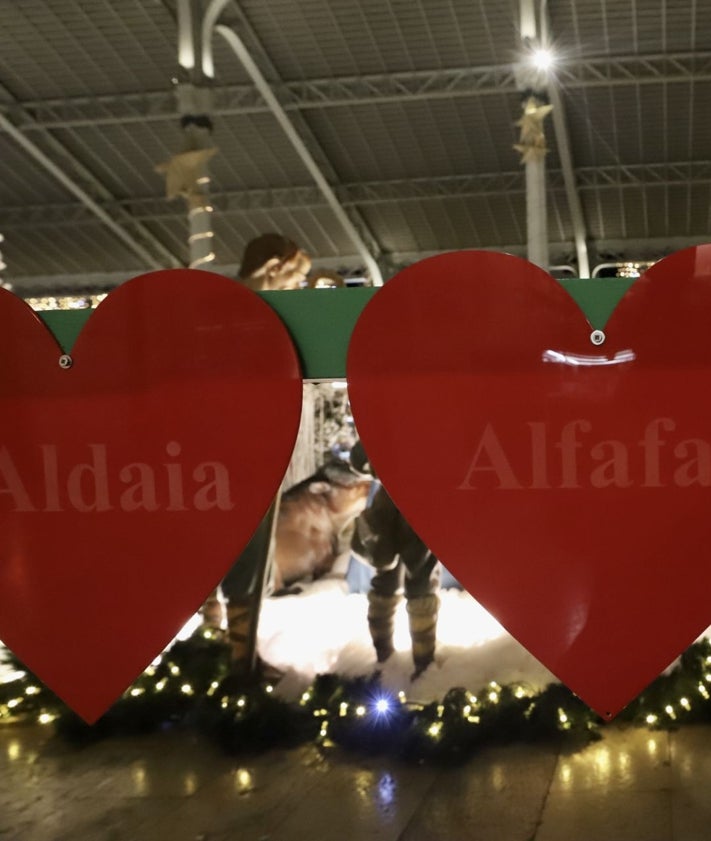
(435, 729)
(360, 710)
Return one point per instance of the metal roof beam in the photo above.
(66, 168)
(371, 193)
(609, 250)
(236, 45)
(232, 100)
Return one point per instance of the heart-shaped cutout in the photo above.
(131, 478)
(567, 485)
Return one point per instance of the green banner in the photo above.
(320, 321)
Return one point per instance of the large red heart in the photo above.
(566, 485)
(130, 481)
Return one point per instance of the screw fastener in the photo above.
(597, 337)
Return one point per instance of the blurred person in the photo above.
(271, 262)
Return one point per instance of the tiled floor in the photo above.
(634, 785)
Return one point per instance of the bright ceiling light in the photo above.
(543, 59)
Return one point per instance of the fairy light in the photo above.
(343, 709)
(173, 669)
(703, 691)
(160, 686)
(214, 686)
(241, 701)
(136, 691)
(435, 729)
(46, 718)
(651, 718)
(269, 689)
(360, 710)
(32, 690)
(669, 710)
(685, 703)
(187, 689)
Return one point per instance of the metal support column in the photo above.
(532, 141)
(187, 172)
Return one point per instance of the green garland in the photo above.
(190, 686)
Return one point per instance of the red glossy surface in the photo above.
(130, 482)
(567, 486)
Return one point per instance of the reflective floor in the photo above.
(634, 785)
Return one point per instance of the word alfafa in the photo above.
(540, 459)
(92, 486)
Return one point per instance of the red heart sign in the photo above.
(567, 485)
(132, 477)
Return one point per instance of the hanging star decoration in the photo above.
(532, 141)
(186, 175)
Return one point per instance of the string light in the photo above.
(353, 712)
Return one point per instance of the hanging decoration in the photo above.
(185, 175)
(532, 139)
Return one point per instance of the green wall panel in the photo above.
(321, 320)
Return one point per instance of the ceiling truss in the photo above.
(371, 193)
(234, 100)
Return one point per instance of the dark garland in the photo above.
(190, 686)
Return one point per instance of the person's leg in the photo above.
(421, 591)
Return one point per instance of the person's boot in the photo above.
(422, 615)
(241, 616)
(247, 668)
(381, 622)
(213, 614)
